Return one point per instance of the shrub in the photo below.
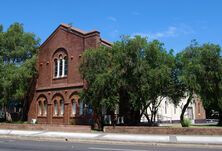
(186, 122)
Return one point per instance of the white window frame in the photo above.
(45, 106)
(61, 63)
(55, 105)
(74, 107)
(61, 102)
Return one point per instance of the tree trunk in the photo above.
(184, 110)
(144, 112)
(97, 122)
(155, 112)
(147, 117)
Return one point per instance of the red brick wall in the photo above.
(199, 110)
(163, 130)
(47, 86)
(46, 127)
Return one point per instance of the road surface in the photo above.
(7, 144)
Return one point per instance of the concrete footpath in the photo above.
(99, 136)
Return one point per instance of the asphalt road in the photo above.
(7, 144)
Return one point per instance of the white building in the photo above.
(169, 113)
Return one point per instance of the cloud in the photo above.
(112, 18)
(170, 32)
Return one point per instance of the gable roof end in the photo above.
(76, 30)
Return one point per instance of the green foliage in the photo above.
(200, 71)
(187, 122)
(188, 66)
(133, 71)
(17, 45)
(101, 79)
(211, 73)
(17, 62)
(152, 79)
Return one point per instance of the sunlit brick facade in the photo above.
(56, 93)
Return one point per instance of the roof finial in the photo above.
(70, 24)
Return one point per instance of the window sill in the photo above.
(42, 116)
(56, 116)
(57, 78)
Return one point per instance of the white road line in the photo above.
(115, 149)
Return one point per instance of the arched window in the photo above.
(39, 108)
(45, 108)
(60, 66)
(66, 65)
(61, 107)
(56, 68)
(55, 107)
(73, 107)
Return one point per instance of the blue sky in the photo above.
(174, 22)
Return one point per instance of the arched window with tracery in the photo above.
(74, 104)
(42, 106)
(60, 58)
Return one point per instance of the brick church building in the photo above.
(56, 93)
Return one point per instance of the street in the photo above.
(31, 145)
